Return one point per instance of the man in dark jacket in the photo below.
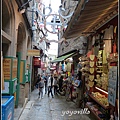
(50, 85)
(60, 83)
(46, 82)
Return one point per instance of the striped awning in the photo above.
(59, 59)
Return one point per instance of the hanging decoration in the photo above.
(40, 5)
(57, 24)
(48, 41)
(60, 12)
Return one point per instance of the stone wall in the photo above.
(27, 90)
(22, 95)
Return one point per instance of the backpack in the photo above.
(41, 84)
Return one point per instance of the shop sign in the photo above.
(33, 52)
(37, 62)
(7, 68)
(14, 69)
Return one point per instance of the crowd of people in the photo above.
(59, 85)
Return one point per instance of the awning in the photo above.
(89, 16)
(59, 59)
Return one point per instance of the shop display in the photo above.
(90, 84)
(92, 57)
(101, 98)
(91, 71)
(112, 57)
(102, 81)
(97, 110)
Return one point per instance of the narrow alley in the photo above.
(69, 46)
(49, 108)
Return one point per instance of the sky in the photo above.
(55, 6)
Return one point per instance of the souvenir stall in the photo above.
(100, 71)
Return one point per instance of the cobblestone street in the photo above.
(49, 108)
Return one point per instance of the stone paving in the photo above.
(49, 108)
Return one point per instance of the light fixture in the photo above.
(101, 90)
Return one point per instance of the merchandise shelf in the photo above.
(105, 107)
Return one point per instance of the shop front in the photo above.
(100, 64)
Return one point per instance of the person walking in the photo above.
(46, 82)
(56, 85)
(50, 85)
(60, 83)
(78, 85)
(40, 87)
(38, 80)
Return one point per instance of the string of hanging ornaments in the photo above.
(57, 24)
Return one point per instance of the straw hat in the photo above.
(92, 57)
(92, 63)
(92, 70)
(91, 84)
(91, 77)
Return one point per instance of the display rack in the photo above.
(105, 107)
(93, 112)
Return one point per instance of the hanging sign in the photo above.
(33, 52)
(7, 68)
(37, 62)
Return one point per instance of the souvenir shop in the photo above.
(100, 71)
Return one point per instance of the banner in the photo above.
(33, 52)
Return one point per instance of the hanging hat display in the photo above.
(91, 84)
(92, 63)
(91, 77)
(92, 57)
(91, 70)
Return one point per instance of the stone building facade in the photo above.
(16, 40)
